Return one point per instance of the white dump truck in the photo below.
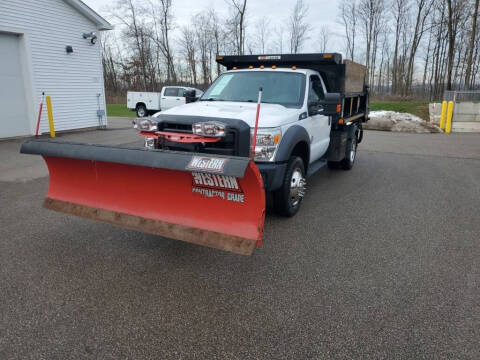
(262, 128)
(313, 107)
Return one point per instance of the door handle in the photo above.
(164, 98)
(177, 99)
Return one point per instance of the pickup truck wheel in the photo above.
(288, 198)
(141, 111)
(350, 154)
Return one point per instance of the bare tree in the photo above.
(278, 42)
(217, 33)
(110, 72)
(348, 18)
(324, 38)
(136, 33)
(188, 45)
(238, 24)
(162, 20)
(468, 71)
(202, 25)
(426, 62)
(423, 8)
(437, 72)
(454, 17)
(475, 63)
(262, 29)
(371, 13)
(298, 26)
(384, 60)
(399, 12)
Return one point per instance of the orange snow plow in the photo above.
(211, 200)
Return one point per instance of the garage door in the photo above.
(13, 112)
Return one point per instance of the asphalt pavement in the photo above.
(382, 262)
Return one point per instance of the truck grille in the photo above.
(175, 127)
(226, 146)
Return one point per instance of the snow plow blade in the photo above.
(209, 200)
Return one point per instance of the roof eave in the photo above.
(90, 14)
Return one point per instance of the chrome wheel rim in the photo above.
(141, 112)
(353, 151)
(297, 187)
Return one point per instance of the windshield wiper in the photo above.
(263, 101)
(211, 99)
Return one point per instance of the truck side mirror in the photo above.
(330, 102)
(190, 96)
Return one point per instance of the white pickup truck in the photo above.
(147, 103)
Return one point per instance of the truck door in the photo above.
(172, 96)
(319, 124)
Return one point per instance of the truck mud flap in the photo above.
(337, 146)
(213, 201)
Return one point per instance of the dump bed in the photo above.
(346, 77)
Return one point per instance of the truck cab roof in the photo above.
(279, 69)
(342, 76)
(280, 60)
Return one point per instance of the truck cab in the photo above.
(312, 108)
(172, 96)
(287, 94)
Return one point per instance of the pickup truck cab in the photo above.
(310, 116)
(146, 103)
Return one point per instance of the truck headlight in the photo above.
(145, 124)
(267, 143)
(209, 129)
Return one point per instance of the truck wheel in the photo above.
(141, 111)
(350, 154)
(288, 198)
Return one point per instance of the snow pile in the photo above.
(400, 122)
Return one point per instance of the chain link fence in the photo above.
(462, 96)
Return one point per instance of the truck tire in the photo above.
(350, 154)
(142, 111)
(288, 198)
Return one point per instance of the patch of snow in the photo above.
(399, 122)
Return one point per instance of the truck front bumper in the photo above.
(272, 174)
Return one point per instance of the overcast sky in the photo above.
(322, 12)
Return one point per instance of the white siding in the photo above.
(72, 80)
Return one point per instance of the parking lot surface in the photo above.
(381, 262)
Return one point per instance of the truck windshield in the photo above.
(284, 88)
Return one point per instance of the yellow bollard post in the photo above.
(443, 115)
(448, 126)
(50, 116)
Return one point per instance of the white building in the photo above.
(46, 46)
